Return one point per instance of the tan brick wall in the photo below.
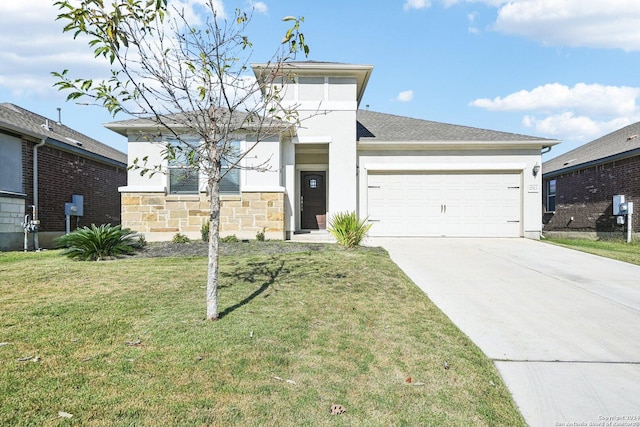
(160, 217)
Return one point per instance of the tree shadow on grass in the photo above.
(254, 271)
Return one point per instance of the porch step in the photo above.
(318, 236)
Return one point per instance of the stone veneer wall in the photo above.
(160, 217)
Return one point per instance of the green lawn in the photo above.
(124, 343)
(616, 249)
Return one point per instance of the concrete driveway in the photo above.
(562, 326)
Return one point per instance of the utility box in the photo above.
(76, 207)
(618, 201)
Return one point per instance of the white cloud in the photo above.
(193, 9)
(577, 113)
(405, 96)
(593, 99)
(577, 23)
(494, 3)
(416, 4)
(568, 126)
(34, 45)
(599, 24)
(260, 7)
(471, 17)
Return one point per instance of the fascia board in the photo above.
(412, 145)
(444, 167)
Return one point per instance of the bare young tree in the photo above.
(190, 80)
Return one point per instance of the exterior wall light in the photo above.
(536, 169)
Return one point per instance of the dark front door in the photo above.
(313, 200)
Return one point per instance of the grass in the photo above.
(124, 343)
(615, 249)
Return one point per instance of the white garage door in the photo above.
(469, 204)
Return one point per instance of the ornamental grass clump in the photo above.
(348, 230)
(99, 243)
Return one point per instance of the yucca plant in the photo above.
(99, 243)
(348, 230)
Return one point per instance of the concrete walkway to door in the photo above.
(562, 326)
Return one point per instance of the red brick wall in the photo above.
(62, 174)
(586, 195)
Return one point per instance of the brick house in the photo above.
(44, 164)
(409, 177)
(578, 186)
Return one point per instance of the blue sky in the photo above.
(560, 69)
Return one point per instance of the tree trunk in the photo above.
(214, 238)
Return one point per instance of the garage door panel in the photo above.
(445, 204)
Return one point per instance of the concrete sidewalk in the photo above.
(562, 326)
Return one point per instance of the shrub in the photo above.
(204, 231)
(99, 243)
(230, 239)
(260, 235)
(348, 230)
(142, 242)
(180, 238)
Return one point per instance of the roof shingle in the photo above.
(373, 126)
(621, 142)
(19, 120)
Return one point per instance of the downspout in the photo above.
(36, 244)
(544, 150)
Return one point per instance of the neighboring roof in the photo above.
(361, 72)
(622, 143)
(24, 122)
(373, 127)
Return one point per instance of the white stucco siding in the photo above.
(342, 164)
(262, 165)
(463, 174)
(289, 182)
(338, 129)
(153, 153)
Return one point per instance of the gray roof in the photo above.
(622, 143)
(25, 122)
(234, 119)
(373, 126)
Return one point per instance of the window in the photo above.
(551, 195)
(230, 183)
(183, 180)
(11, 170)
(183, 177)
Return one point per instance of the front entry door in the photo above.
(313, 200)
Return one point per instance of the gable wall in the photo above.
(586, 195)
